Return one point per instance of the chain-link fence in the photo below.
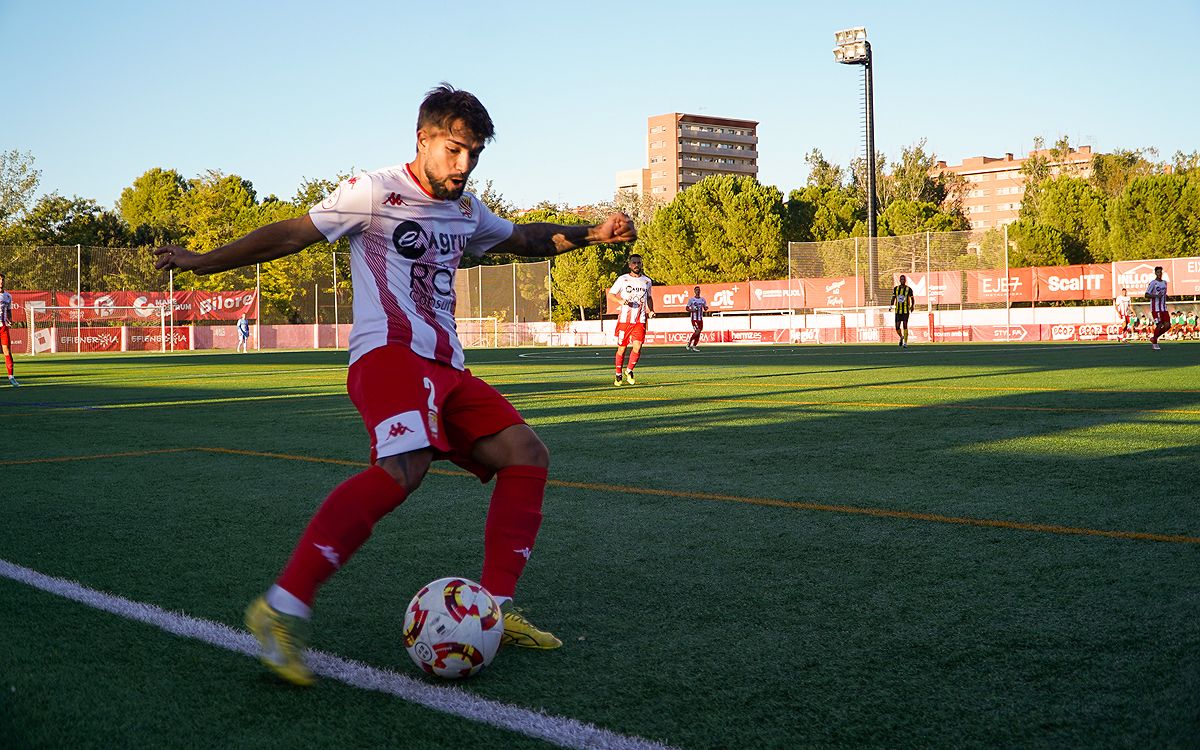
(935, 261)
(316, 291)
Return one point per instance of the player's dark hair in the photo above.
(634, 255)
(445, 104)
(1158, 268)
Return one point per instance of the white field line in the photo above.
(557, 730)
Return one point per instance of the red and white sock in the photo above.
(633, 357)
(620, 358)
(8, 363)
(341, 525)
(513, 519)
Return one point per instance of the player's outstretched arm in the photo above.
(539, 239)
(263, 244)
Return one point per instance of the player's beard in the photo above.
(441, 188)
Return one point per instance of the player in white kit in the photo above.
(632, 292)
(697, 306)
(1156, 290)
(409, 227)
(1124, 307)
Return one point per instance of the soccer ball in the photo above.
(452, 628)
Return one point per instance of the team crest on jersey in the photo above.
(464, 205)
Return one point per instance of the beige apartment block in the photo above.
(995, 186)
(682, 149)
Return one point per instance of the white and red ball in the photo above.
(452, 628)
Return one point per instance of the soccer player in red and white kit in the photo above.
(632, 291)
(697, 306)
(1156, 290)
(1124, 308)
(409, 227)
(5, 321)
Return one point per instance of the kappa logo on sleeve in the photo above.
(400, 434)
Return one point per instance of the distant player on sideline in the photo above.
(902, 303)
(1156, 290)
(1124, 308)
(5, 322)
(243, 330)
(409, 227)
(697, 306)
(632, 291)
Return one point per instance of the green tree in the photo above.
(579, 278)
(819, 214)
(1042, 165)
(915, 178)
(1182, 163)
(640, 208)
(150, 206)
(55, 220)
(723, 228)
(211, 210)
(1112, 172)
(1075, 208)
(1032, 244)
(18, 183)
(821, 172)
(904, 216)
(1156, 216)
(492, 198)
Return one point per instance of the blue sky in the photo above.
(100, 92)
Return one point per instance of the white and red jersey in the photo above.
(1156, 290)
(634, 292)
(1123, 305)
(696, 306)
(405, 246)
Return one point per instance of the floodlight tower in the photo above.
(852, 48)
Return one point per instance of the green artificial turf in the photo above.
(945, 546)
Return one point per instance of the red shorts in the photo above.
(630, 332)
(408, 403)
(4, 340)
(698, 325)
(1162, 318)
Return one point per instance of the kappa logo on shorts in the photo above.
(401, 433)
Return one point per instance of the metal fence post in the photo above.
(79, 296)
(336, 342)
(257, 306)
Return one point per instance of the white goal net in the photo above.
(55, 329)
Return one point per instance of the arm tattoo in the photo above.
(540, 239)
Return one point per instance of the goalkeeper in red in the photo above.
(902, 304)
(409, 226)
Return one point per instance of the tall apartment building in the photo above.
(682, 149)
(995, 186)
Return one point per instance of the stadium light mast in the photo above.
(852, 48)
